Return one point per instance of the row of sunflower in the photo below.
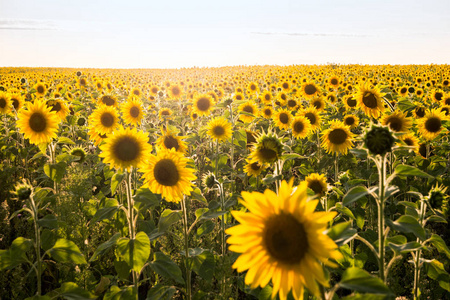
(274, 161)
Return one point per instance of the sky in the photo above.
(197, 33)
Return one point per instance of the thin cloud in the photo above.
(26, 24)
(313, 34)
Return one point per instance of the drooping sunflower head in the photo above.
(126, 148)
(253, 168)
(309, 89)
(301, 127)
(22, 191)
(351, 121)
(219, 129)
(203, 104)
(209, 180)
(105, 119)
(108, 100)
(132, 111)
(282, 239)
(167, 174)
(248, 111)
(337, 138)
(283, 119)
(317, 183)
(379, 140)
(267, 149)
(370, 100)
(5, 102)
(430, 126)
(170, 140)
(331, 98)
(437, 197)
(38, 123)
(79, 151)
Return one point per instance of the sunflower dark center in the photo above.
(284, 118)
(446, 110)
(438, 96)
(409, 142)
(56, 107)
(370, 100)
(166, 172)
(108, 101)
(176, 91)
(171, 142)
(285, 85)
(107, 120)
(203, 104)
(298, 127)
(253, 87)
(165, 113)
(134, 112)
(267, 97)
(433, 124)
(349, 121)
(447, 101)
(292, 103)
(310, 89)
(334, 81)
(2, 102)
(255, 166)
(403, 90)
(248, 109)
(337, 136)
(316, 186)
(40, 89)
(317, 104)
(285, 239)
(15, 103)
(267, 154)
(238, 97)
(126, 149)
(395, 124)
(351, 102)
(218, 130)
(37, 122)
(420, 112)
(311, 117)
(136, 92)
(268, 112)
(154, 90)
(283, 97)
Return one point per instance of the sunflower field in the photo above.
(247, 182)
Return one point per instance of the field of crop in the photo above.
(248, 182)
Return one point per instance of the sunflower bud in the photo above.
(209, 180)
(23, 191)
(437, 197)
(379, 140)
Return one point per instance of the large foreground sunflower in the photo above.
(370, 100)
(167, 174)
(37, 122)
(338, 138)
(431, 124)
(282, 239)
(126, 148)
(219, 129)
(5, 102)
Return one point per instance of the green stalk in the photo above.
(222, 204)
(186, 248)
(381, 188)
(37, 231)
(130, 217)
(418, 254)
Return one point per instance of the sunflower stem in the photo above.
(381, 189)
(217, 159)
(423, 207)
(186, 248)
(37, 232)
(131, 219)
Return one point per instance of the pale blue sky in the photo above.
(175, 34)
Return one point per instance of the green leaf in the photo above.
(107, 212)
(66, 251)
(197, 195)
(240, 138)
(199, 212)
(48, 239)
(116, 293)
(407, 170)
(55, 171)
(5, 260)
(359, 280)
(342, 233)
(405, 248)
(134, 252)
(71, 291)
(49, 221)
(165, 267)
(145, 196)
(43, 148)
(115, 181)
(354, 194)
(440, 245)
(344, 210)
(436, 271)
(122, 269)
(103, 248)
(290, 156)
(65, 140)
(205, 228)
(168, 217)
(408, 224)
(161, 292)
(212, 214)
(204, 264)
(66, 158)
(10, 258)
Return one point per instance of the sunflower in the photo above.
(397, 121)
(5, 102)
(267, 112)
(96, 137)
(175, 92)
(350, 102)
(410, 140)
(169, 140)
(136, 92)
(419, 111)
(40, 89)
(154, 89)
(309, 89)
(282, 239)
(165, 113)
(282, 98)
(132, 111)
(167, 174)
(334, 81)
(437, 95)
(219, 129)
(252, 88)
(108, 100)
(292, 104)
(285, 86)
(351, 121)
(266, 97)
(403, 91)
(331, 98)
(82, 83)
(318, 103)
(283, 119)
(301, 127)
(445, 100)
(267, 149)
(126, 148)
(238, 96)
(78, 151)
(431, 124)
(203, 103)
(317, 183)
(253, 168)
(370, 100)
(247, 108)
(104, 119)
(37, 122)
(59, 107)
(17, 101)
(314, 118)
(445, 110)
(337, 138)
